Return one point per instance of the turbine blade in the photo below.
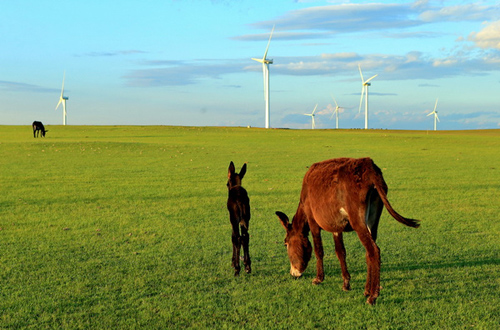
(268, 43)
(64, 78)
(59, 103)
(361, 74)
(361, 99)
(336, 107)
(435, 106)
(335, 101)
(430, 114)
(437, 117)
(314, 109)
(335, 112)
(371, 78)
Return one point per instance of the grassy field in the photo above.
(127, 227)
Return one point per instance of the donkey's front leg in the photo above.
(341, 255)
(318, 251)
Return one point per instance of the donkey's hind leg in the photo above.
(245, 239)
(236, 239)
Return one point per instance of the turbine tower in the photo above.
(63, 99)
(313, 124)
(336, 113)
(364, 90)
(265, 69)
(435, 113)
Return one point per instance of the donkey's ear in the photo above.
(284, 220)
(231, 169)
(243, 171)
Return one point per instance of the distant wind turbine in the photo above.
(435, 113)
(336, 113)
(364, 90)
(265, 69)
(63, 99)
(313, 124)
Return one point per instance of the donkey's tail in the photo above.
(243, 206)
(379, 183)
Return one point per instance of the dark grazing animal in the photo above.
(37, 128)
(238, 205)
(340, 195)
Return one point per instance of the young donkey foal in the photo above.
(238, 205)
(340, 195)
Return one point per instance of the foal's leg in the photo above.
(341, 255)
(236, 246)
(245, 239)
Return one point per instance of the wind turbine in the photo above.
(313, 124)
(265, 69)
(336, 112)
(435, 114)
(63, 99)
(364, 90)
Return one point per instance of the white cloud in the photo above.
(488, 37)
(413, 65)
(347, 56)
(468, 12)
(113, 53)
(321, 21)
(13, 86)
(346, 18)
(179, 74)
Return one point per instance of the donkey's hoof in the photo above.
(248, 269)
(317, 281)
(371, 300)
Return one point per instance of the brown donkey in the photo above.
(340, 195)
(238, 205)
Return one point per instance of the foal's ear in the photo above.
(231, 169)
(243, 171)
(284, 220)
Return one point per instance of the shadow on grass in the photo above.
(442, 265)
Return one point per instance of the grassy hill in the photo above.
(126, 227)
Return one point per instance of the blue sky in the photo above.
(187, 62)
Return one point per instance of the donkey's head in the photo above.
(233, 178)
(297, 243)
(43, 132)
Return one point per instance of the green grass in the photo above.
(127, 227)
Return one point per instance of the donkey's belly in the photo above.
(334, 220)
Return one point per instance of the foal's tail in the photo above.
(240, 204)
(379, 183)
(244, 209)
